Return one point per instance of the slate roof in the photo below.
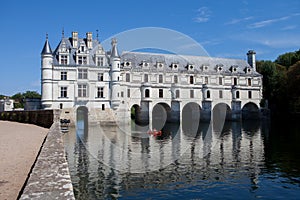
(136, 58)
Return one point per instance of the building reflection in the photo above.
(109, 158)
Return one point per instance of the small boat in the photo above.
(154, 132)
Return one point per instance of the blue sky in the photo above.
(224, 28)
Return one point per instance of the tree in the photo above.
(20, 98)
(274, 84)
(293, 75)
(288, 59)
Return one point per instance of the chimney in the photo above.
(89, 40)
(252, 59)
(74, 39)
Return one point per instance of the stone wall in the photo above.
(43, 118)
(50, 178)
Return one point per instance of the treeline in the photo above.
(281, 83)
(20, 97)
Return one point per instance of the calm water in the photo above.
(249, 160)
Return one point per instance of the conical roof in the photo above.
(47, 48)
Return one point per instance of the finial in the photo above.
(97, 36)
(63, 32)
(46, 36)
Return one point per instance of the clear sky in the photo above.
(224, 28)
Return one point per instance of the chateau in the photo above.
(79, 73)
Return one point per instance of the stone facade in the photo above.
(81, 73)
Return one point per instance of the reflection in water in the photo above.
(106, 162)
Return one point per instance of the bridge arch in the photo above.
(190, 115)
(250, 111)
(82, 119)
(221, 112)
(161, 113)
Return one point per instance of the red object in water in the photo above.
(155, 133)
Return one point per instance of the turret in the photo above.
(115, 62)
(47, 60)
(252, 59)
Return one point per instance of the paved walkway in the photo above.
(19, 146)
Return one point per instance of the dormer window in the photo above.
(190, 67)
(174, 66)
(144, 64)
(126, 64)
(219, 67)
(63, 59)
(100, 61)
(248, 70)
(82, 60)
(159, 65)
(233, 68)
(205, 68)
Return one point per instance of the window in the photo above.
(63, 92)
(234, 81)
(103, 106)
(237, 94)
(100, 61)
(208, 94)
(249, 94)
(161, 93)
(145, 77)
(191, 93)
(160, 78)
(128, 93)
(191, 79)
(82, 74)
(100, 76)
(127, 77)
(63, 59)
(249, 82)
(82, 90)
(82, 60)
(100, 92)
(61, 106)
(122, 94)
(206, 80)
(147, 93)
(175, 79)
(220, 81)
(220, 94)
(177, 94)
(63, 76)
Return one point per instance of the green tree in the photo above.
(288, 59)
(274, 84)
(20, 98)
(293, 75)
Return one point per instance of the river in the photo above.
(246, 160)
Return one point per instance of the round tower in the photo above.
(46, 68)
(115, 62)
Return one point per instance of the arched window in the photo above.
(147, 93)
(249, 94)
(237, 94)
(208, 94)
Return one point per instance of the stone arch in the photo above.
(82, 119)
(250, 111)
(161, 113)
(190, 115)
(139, 115)
(221, 113)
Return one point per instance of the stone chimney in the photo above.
(252, 59)
(89, 40)
(74, 39)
